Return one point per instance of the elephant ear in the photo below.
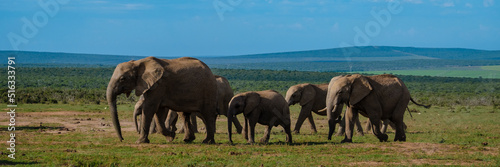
(149, 73)
(251, 102)
(308, 94)
(360, 88)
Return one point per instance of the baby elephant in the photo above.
(264, 107)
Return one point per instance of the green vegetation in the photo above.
(491, 72)
(73, 85)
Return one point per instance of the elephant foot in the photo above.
(189, 139)
(289, 140)
(142, 140)
(169, 134)
(209, 141)
(169, 138)
(346, 141)
(383, 138)
(296, 132)
(403, 138)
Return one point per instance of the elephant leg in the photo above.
(267, 134)
(397, 119)
(251, 135)
(194, 123)
(245, 130)
(341, 130)
(350, 117)
(209, 118)
(149, 109)
(386, 122)
(368, 126)
(359, 129)
(182, 129)
(160, 118)
(311, 121)
(172, 118)
(305, 111)
(153, 128)
(288, 132)
(188, 131)
(376, 129)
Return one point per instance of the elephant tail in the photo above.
(426, 106)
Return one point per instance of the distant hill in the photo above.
(336, 59)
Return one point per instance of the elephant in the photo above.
(184, 84)
(224, 95)
(264, 107)
(377, 97)
(312, 98)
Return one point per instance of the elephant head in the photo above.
(303, 94)
(241, 103)
(349, 90)
(141, 76)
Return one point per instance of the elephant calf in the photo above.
(264, 107)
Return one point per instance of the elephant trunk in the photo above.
(111, 97)
(137, 112)
(230, 116)
(333, 112)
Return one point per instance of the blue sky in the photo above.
(236, 27)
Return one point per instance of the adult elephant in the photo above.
(183, 84)
(312, 98)
(377, 97)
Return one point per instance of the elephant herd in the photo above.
(186, 87)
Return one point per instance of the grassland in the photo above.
(82, 135)
(491, 72)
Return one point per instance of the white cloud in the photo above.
(488, 3)
(414, 1)
(448, 4)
